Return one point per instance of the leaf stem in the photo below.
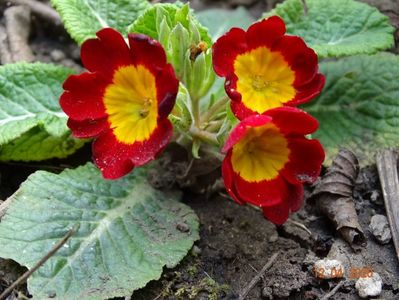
(214, 109)
(205, 136)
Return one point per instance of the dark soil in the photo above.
(236, 241)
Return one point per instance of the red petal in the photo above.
(265, 32)
(308, 91)
(116, 159)
(228, 178)
(305, 160)
(167, 88)
(144, 50)
(105, 53)
(226, 49)
(301, 58)
(231, 87)
(295, 197)
(291, 120)
(240, 130)
(88, 128)
(263, 193)
(240, 110)
(83, 96)
(278, 214)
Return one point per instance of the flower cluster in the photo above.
(268, 157)
(125, 97)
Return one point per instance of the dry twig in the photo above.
(26, 275)
(255, 280)
(333, 291)
(387, 165)
(4, 206)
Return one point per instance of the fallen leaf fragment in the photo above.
(333, 197)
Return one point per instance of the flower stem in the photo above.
(214, 109)
(205, 136)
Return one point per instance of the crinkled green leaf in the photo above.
(127, 232)
(337, 27)
(181, 116)
(359, 106)
(83, 18)
(149, 22)
(180, 33)
(32, 124)
(219, 21)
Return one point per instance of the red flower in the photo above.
(266, 69)
(123, 101)
(268, 159)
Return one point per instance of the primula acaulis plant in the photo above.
(125, 98)
(244, 102)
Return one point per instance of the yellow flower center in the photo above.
(131, 103)
(265, 79)
(261, 154)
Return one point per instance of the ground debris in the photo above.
(387, 165)
(380, 229)
(369, 286)
(333, 196)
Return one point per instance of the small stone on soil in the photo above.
(196, 250)
(267, 293)
(380, 228)
(273, 238)
(369, 286)
(57, 55)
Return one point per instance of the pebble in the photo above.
(376, 198)
(273, 238)
(267, 293)
(196, 250)
(369, 286)
(57, 55)
(328, 269)
(183, 227)
(380, 228)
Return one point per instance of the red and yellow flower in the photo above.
(123, 101)
(269, 158)
(265, 69)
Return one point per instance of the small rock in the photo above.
(369, 286)
(273, 238)
(380, 228)
(57, 55)
(196, 250)
(375, 197)
(328, 269)
(183, 227)
(267, 293)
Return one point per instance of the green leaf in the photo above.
(359, 106)
(179, 32)
(336, 28)
(219, 21)
(127, 232)
(83, 18)
(32, 124)
(150, 22)
(182, 116)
